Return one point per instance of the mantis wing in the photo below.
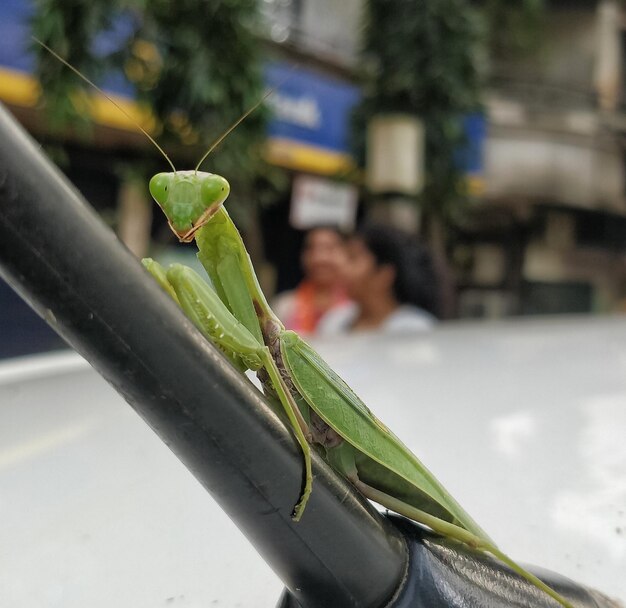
(382, 457)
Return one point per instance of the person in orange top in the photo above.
(322, 258)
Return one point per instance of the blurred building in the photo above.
(549, 232)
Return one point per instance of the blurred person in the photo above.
(391, 280)
(322, 258)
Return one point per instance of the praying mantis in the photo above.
(320, 408)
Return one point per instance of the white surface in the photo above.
(96, 512)
(524, 422)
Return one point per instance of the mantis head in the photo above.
(189, 199)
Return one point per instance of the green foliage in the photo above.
(425, 61)
(196, 63)
(69, 28)
(428, 58)
(514, 27)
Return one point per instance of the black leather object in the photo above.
(445, 574)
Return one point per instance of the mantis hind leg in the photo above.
(457, 533)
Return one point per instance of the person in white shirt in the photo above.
(391, 281)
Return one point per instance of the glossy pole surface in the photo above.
(59, 256)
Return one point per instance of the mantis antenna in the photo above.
(232, 127)
(122, 110)
(247, 113)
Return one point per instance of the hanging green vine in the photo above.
(429, 59)
(424, 60)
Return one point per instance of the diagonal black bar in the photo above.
(72, 270)
(61, 258)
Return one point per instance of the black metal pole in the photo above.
(61, 258)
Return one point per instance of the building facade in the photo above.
(549, 233)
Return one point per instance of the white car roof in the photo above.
(524, 422)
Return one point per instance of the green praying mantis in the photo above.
(233, 314)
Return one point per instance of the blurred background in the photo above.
(493, 131)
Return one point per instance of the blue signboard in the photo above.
(15, 40)
(15, 34)
(310, 127)
(470, 157)
(310, 108)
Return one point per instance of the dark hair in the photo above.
(330, 227)
(415, 281)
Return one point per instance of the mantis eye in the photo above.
(159, 186)
(214, 190)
